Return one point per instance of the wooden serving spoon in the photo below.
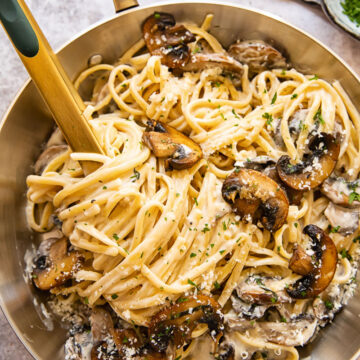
(50, 78)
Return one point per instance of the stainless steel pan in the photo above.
(28, 123)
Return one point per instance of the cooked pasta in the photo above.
(151, 236)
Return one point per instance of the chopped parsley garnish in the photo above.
(345, 254)
(223, 117)
(335, 229)
(296, 224)
(181, 300)
(283, 319)
(206, 228)
(157, 16)
(318, 117)
(125, 340)
(196, 202)
(115, 236)
(177, 194)
(354, 196)
(114, 296)
(328, 304)
(314, 78)
(192, 255)
(86, 300)
(216, 83)
(178, 357)
(268, 117)
(136, 176)
(196, 50)
(224, 225)
(283, 72)
(273, 100)
(221, 252)
(104, 187)
(216, 285)
(294, 96)
(235, 114)
(357, 239)
(192, 283)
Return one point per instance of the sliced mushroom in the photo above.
(47, 155)
(339, 191)
(259, 163)
(315, 167)
(254, 196)
(258, 289)
(324, 265)
(199, 62)
(296, 332)
(175, 323)
(300, 262)
(296, 122)
(345, 221)
(248, 310)
(56, 264)
(165, 39)
(77, 345)
(267, 166)
(258, 55)
(166, 142)
(101, 324)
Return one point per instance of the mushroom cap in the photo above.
(56, 266)
(315, 168)
(338, 190)
(258, 289)
(293, 333)
(324, 266)
(166, 142)
(300, 262)
(255, 196)
(164, 38)
(201, 61)
(267, 166)
(178, 321)
(258, 55)
(344, 220)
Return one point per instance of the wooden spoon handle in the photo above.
(49, 76)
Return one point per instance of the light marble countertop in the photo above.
(61, 20)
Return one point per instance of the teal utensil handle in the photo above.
(18, 28)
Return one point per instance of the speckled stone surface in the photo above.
(61, 20)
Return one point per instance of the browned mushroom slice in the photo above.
(166, 142)
(165, 39)
(315, 167)
(296, 332)
(324, 266)
(342, 192)
(300, 262)
(207, 61)
(56, 264)
(257, 289)
(176, 322)
(267, 166)
(47, 155)
(344, 221)
(258, 55)
(254, 196)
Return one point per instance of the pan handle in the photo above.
(121, 5)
